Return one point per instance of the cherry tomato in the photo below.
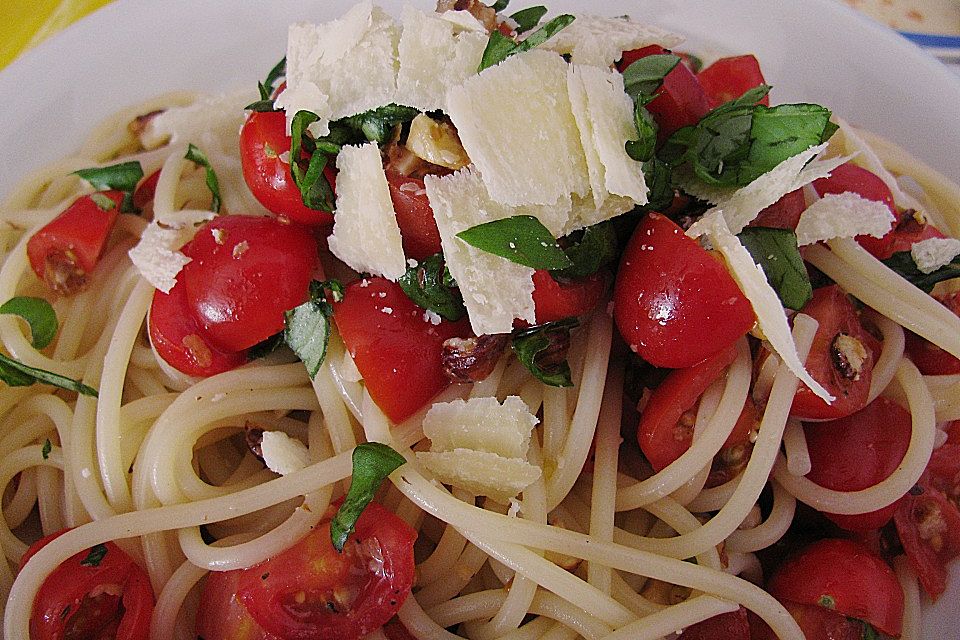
(418, 228)
(100, 593)
(556, 300)
(841, 358)
(394, 630)
(65, 250)
(911, 229)
(816, 622)
(850, 177)
(930, 359)
(312, 592)
(394, 344)
(726, 626)
(729, 78)
(784, 213)
(843, 576)
(263, 143)
(674, 303)
(857, 452)
(221, 616)
(680, 101)
(246, 271)
(146, 190)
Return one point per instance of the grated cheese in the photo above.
(600, 41)
(843, 215)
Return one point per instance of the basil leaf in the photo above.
(95, 557)
(500, 5)
(658, 177)
(377, 124)
(307, 329)
(17, 374)
(118, 177)
(500, 47)
(644, 76)
(46, 449)
(868, 632)
(265, 347)
(315, 191)
(902, 262)
(197, 157)
(781, 132)
(424, 284)
(372, 463)
(520, 239)
(261, 106)
(776, 251)
(542, 350)
(318, 289)
(643, 148)
(596, 247)
(38, 313)
(527, 19)
(544, 33)
(267, 86)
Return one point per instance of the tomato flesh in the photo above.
(675, 304)
(726, 626)
(930, 359)
(418, 228)
(849, 177)
(784, 213)
(556, 300)
(729, 78)
(816, 622)
(221, 616)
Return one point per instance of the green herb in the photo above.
(267, 87)
(868, 632)
(372, 463)
(315, 191)
(643, 147)
(377, 124)
(658, 177)
(197, 157)
(95, 557)
(38, 313)
(118, 177)
(527, 19)
(902, 262)
(776, 251)
(103, 202)
(827, 602)
(520, 239)
(500, 47)
(644, 77)
(542, 349)
(17, 374)
(781, 132)
(265, 347)
(46, 449)
(424, 284)
(307, 329)
(595, 247)
(500, 5)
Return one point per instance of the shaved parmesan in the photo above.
(211, 118)
(366, 235)
(601, 41)
(283, 454)
(753, 283)
(482, 424)
(933, 253)
(843, 215)
(156, 256)
(480, 472)
(516, 123)
(436, 54)
(585, 213)
(341, 68)
(852, 143)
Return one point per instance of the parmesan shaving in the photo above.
(843, 215)
(156, 256)
(482, 424)
(933, 253)
(600, 41)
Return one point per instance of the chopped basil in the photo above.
(542, 350)
(118, 177)
(520, 239)
(644, 76)
(377, 124)
(658, 176)
(902, 262)
(781, 132)
(372, 463)
(868, 632)
(776, 251)
(265, 347)
(643, 147)
(103, 202)
(527, 19)
(315, 191)
(307, 329)
(39, 315)
(590, 249)
(500, 5)
(17, 374)
(500, 47)
(95, 556)
(46, 449)
(197, 157)
(425, 285)
(267, 87)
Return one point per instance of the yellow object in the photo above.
(25, 23)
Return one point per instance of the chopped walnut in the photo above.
(849, 356)
(63, 273)
(253, 435)
(486, 15)
(472, 359)
(138, 126)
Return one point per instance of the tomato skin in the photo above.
(146, 190)
(221, 616)
(313, 569)
(65, 251)
(855, 179)
(80, 602)
(859, 584)
(555, 300)
(816, 622)
(263, 139)
(784, 213)
(930, 359)
(857, 452)
(726, 626)
(418, 228)
(668, 290)
(908, 232)
(832, 308)
(246, 271)
(729, 78)
(397, 351)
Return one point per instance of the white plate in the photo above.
(810, 50)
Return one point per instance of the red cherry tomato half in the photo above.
(726, 626)
(246, 271)
(843, 576)
(841, 358)
(221, 616)
(396, 347)
(394, 630)
(65, 251)
(850, 177)
(784, 213)
(911, 229)
(816, 622)
(418, 228)
(556, 300)
(146, 190)
(674, 303)
(266, 170)
(100, 593)
(930, 359)
(312, 592)
(729, 78)
(857, 452)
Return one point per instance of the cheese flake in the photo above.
(584, 212)
(843, 215)
(601, 41)
(482, 424)
(283, 454)
(156, 256)
(366, 235)
(210, 119)
(480, 472)
(933, 253)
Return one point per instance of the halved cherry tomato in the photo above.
(674, 303)
(843, 576)
(418, 228)
(312, 592)
(855, 179)
(394, 630)
(246, 271)
(65, 250)
(784, 213)
(726, 626)
(556, 300)
(680, 101)
(221, 616)
(857, 452)
(394, 344)
(930, 359)
(266, 170)
(841, 358)
(912, 228)
(100, 593)
(729, 78)
(816, 622)
(146, 190)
